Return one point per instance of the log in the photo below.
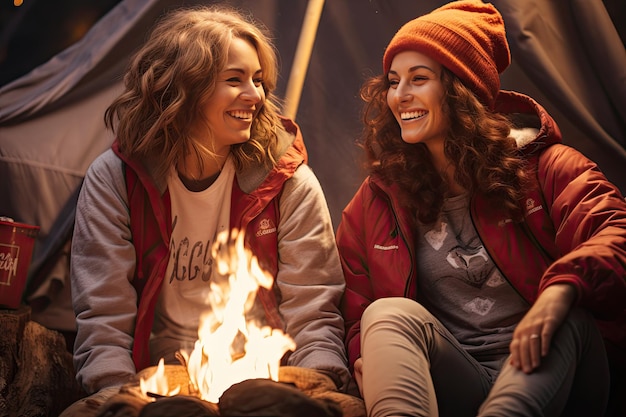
(264, 397)
(180, 406)
(36, 372)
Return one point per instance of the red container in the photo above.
(16, 249)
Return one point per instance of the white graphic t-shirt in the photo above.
(461, 286)
(197, 218)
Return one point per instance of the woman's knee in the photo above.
(400, 312)
(389, 307)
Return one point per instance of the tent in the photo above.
(567, 54)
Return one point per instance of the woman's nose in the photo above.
(251, 92)
(403, 91)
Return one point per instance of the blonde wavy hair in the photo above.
(486, 159)
(171, 77)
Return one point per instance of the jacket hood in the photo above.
(290, 149)
(535, 128)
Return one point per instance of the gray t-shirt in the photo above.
(459, 283)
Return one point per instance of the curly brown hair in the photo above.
(174, 73)
(486, 159)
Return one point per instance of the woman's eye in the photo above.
(258, 82)
(233, 80)
(393, 83)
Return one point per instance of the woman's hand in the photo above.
(533, 335)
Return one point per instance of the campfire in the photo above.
(235, 363)
(230, 349)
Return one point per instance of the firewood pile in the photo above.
(36, 372)
(299, 392)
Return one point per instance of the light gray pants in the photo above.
(413, 366)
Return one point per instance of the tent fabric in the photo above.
(42, 88)
(567, 55)
(573, 53)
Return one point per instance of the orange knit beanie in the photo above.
(467, 37)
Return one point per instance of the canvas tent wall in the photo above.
(567, 54)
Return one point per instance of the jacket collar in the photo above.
(250, 178)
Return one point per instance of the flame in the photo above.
(157, 383)
(230, 348)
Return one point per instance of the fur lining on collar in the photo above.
(525, 135)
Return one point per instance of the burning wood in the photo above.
(300, 392)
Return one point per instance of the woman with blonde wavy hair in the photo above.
(173, 78)
(200, 150)
(484, 260)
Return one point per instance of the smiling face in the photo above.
(415, 97)
(237, 98)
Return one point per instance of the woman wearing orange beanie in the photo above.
(484, 259)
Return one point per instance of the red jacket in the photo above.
(150, 212)
(574, 232)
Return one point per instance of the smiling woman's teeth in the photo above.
(244, 115)
(412, 115)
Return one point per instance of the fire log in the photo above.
(264, 397)
(179, 406)
(300, 392)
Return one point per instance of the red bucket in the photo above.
(16, 249)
